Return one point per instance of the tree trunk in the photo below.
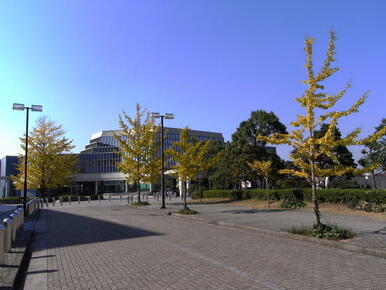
(139, 190)
(186, 191)
(373, 179)
(314, 197)
(267, 190)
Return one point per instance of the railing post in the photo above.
(69, 200)
(14, 226)
(147, 197)
(128, 199)
(2, 245)
(120, 197)
(109, 197)
(7, 234)
(21, 213)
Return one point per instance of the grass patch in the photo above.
(187, 211)
(141, 203)
(329, 232)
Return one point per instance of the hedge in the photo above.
(12, 200)
(333, 195)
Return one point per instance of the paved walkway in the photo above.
(117, 247)
(371, 233)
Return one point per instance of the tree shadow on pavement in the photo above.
(61, 229)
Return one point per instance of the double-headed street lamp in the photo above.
(170, 117)
(34, 108)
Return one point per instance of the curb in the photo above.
(24, 263)
(327, 243)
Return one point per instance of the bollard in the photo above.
(69, 200)
(7, 234)
(157, 197)
(99, 198)
(14, 226)
(109, 197)
(128, 199)
(120, 197)
(2, 233)
(17, 221)
(46, 202)
(21, 213)
(41, 202)
(170, 197)
(89, 199)
(132, 198)
(53, 201)
(61, 201)
(78, 199)
(147, 197)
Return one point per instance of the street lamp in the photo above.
(34, 108)
(169, 117)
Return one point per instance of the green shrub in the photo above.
(141, 203)
(330, 232)
(294, 200)
(187, 211)
(351, 197)
(12, 199)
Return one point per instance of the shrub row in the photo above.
(12, 200)
(333, 195)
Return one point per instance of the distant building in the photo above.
(98, 172)
(366, 181)
(7, 169)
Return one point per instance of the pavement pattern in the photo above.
(118, 247)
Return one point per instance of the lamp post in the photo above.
(34, 108)
(169, 117)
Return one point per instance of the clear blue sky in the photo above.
(209, 62)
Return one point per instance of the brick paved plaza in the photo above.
(118, 247)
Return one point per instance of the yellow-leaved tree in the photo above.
(191, 158)
(138, 148)
(49, 163)
(307, 147)
(263, 168)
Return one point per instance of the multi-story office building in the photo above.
(98, 172)
(7, 169)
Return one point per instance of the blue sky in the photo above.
(209, 62)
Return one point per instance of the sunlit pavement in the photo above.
(114, 246)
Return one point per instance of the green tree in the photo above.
(307, 147)
(375, 153)
(244, 147)
(138, 148)
(49, 163)
(343, 155)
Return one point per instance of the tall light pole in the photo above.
(34, 108)
(170, 117)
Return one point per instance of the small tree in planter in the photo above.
(307, 146)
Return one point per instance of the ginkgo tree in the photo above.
(138, 146)
(191, 158)
(308, 147)
(49, 163)
(263, 168)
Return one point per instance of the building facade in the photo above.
(98, 172)
(7, 169)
